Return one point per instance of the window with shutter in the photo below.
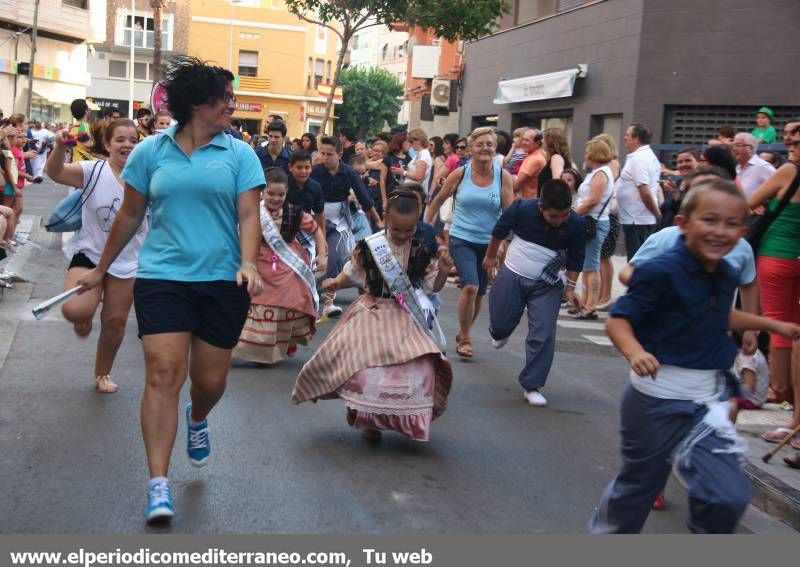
(248, 63)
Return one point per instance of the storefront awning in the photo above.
(539, 87)
(57, 93)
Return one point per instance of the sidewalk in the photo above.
(777, 486)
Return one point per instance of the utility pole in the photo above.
(33, 57)
(132, 59)
(16, 75)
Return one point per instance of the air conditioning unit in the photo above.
(440, 92)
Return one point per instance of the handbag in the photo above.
(67, 215)
(758, 228)
(448, 208)
(590, 223)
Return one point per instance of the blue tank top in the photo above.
(476, 208)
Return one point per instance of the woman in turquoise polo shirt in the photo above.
(197, 264)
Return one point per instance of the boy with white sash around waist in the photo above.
(672, 326)
(548, 237)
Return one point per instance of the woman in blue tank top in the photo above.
(481, 192)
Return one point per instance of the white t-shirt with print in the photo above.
(100, 208)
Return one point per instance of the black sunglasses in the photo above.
(461, 147)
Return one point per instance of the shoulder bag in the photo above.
(448, 208)
(757, 230)
(590, 223)
(67, 215)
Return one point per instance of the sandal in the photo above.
(463, 347)
(104, 385)
(591, 316)
(795, 443)
(776, 435)
(792, 460)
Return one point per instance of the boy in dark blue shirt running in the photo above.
(672, 326)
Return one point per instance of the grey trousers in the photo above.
(508, 298)
(651, 430)
(337, 251)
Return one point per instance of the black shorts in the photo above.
(213, 311)
(80, 260)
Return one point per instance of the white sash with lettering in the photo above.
(412, 301)
(288, 256)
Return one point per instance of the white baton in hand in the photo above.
(40, 310)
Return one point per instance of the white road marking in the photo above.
(588, 325)
(598, 339)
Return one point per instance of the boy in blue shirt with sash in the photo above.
(672, 326)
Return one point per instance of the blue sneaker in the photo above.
(159, 502)
(197, 444)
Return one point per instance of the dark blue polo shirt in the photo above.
(525, 218)
(281, 161)
(336, 188)
(309, 197)
(680, 312)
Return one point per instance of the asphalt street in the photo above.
(73, 460)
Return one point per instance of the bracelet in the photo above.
(250, 265)
(571, 284)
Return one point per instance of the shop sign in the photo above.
(249, 106)
(539, 87)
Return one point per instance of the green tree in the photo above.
(371, 97)
(452, 20)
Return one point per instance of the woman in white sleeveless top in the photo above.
(594, 196)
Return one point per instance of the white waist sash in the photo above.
(701, 387)
(678, 383)
(528, 259)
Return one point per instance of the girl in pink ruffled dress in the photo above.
(378, 359)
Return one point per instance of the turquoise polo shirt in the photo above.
(193, 216)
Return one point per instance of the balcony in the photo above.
(54, 16)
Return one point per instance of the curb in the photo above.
(15, 300)
(774, 496)
(28, 249)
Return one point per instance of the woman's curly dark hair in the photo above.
(192, 82)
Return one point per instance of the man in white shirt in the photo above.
(751, 170)
(43, 138)
(637, 189)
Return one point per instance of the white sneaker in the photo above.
(332, 310)
(535, 398)
(499, 344)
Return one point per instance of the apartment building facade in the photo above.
(60, 71)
